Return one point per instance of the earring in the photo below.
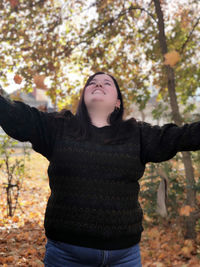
(117, 108)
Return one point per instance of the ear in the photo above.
(118, 103)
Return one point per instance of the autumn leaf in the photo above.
(185, 19)
(186, 210)
(147, 218)
(31, 251)
(188, 249)
(15, 219)
(153, 233)
(158, 264)
(18, 79)
(39, 81)
(51, 66)
(198, 198)
(171, 58)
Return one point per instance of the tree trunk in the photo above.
(190, 221)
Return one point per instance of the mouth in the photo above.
(98, 91)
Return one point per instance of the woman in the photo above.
(93, 217)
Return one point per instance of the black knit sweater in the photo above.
(94, 186)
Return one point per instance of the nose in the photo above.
(98, 84)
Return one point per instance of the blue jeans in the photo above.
(59, 254)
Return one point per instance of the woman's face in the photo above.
(101, 92)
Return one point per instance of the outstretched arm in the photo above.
(162, 143)
(26, 123)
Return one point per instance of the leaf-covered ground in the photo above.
(22, 239)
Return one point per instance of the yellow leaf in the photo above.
(171, 58)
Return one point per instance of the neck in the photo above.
(98, 118)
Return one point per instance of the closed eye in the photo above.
(106, 83)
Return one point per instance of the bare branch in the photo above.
(142, 9)
(127, 10)
(98, 29)
(189, 36)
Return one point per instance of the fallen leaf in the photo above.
(158, 264)
(147, 218)
(9, 259)
(186, 252)
(186, 210)
(188, 249)
(153, 233)
(31, 251)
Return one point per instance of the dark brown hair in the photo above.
(82, 125)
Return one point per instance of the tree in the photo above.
(190, 180)
(13, 171)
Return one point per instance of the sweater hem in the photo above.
(96, 243)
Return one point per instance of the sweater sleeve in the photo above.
(161, 143)
(25, 123)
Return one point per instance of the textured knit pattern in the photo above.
(94, 186)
